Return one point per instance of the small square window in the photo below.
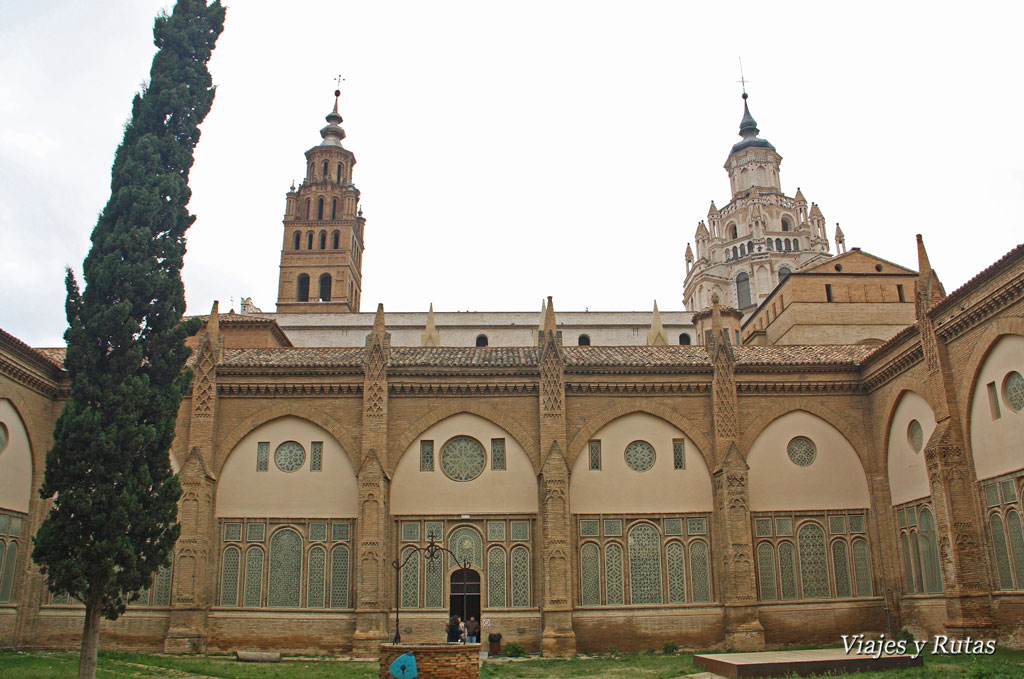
(857, 523)
(613, 528)
(434, 531)
(992, 495)
(673, 526)
(426, 456)
(5, 521)
(784, 526)
(697, 526)
(837, 525)
(498, 455)
(911, 516)
(232, 532)
(496, 531)
(1008, 491)
(763, 528)
(678, 454)
(255, 532)
(15, 527)
(520, 530)
(318, 531)
(590, 528)
(595, 455)
(340, 532)
(410, 531)
(901, 518)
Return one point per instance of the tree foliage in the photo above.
(113, 519)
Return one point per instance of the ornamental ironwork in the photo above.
(463, 458)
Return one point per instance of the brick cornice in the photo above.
(817, 387)
(449, 388)
(288, 389)
(34, 381)
(896, 366)
(987, 307)
(642, 388)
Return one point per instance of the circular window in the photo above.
(878, 267)
(915, 436)
(801, 451)
(289, 456)
(839, 267)
(3, 437)
(640, 456)
(1013, 391)
(463, 458)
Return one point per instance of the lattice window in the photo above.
(911, 516)
(915, 551)
(426, 456)
(613, 578)
(15, 529)
(253, 588)
(784, 526)
(290, 456)
(992, 495)
(700, 571)
(468, 546)
(498, 455)
(998, 534)
(1007, 490)
(519, 530)
(1015, 532)
(410, 578)
(590, 575)
(678, 454)
(255, 532)
(7, 577)
(340, 531)
(698, 526)
(766, 571)
(285, 579)
(232, 532)
(645, 564)
(162, 586)
(673, 526)
(316, 580)
(901, 518)
(590, 528)
(434, 530)
(463, 458)
(316, 456)
(262, 455)
(318, 531)
(837, 525)
(496, 531)
(496, 577)
(433, 593)
(857, 524)
(763, 528)
(801, 451)
(841, 568)
(339, 576)
(675, 561)
(595, 455)
(908, 570)
(862, 567)
(813, 562)
(5, 522)
(520, 577)
(639, 456)
(229, 576)
(1013, 391)
(929, 551)
(787, 570)
(410, 531)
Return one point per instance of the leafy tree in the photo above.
(113, 520)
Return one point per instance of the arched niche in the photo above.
(244, 490)
(15, 460)
(509, 491)
(996, 428)
(908, 474)
(834, 480)
(616, 488)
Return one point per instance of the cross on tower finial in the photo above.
(742, 81)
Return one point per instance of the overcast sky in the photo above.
(508, 151)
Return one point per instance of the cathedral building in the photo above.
(819, 445)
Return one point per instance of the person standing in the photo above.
(472, 631)
(453, 629)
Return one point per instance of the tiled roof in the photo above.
(464, 357)
(792, 355)
(54, 354)
(291, 357)
(637, 357)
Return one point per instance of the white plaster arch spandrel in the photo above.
(616, 488)
(15, 461)
(511, 491)
(834, 480)
(242, 490)
(908, 473)
(997, 432)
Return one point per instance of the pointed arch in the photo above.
(277, 410)
(753, 428)
(17, 463)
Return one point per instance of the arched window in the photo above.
(309, 240)
(732, 232)
(644, 564)
(915, 552)
(787, 225)
(335, 240)
(784, 273)
(675, 561)
(766, 571)
(769, 243)
(813, 563)
(410, 578)
(468, 546)
(742, 290)
(496, 577)
(339, 576)
(350, 298)
(862, 567)
(778, 244)
(284, 582)
(253, 587)
(908, 570)
(613, 580)
(433, 590)
(735, 252)
(841, 568)
(684, 338)
(750, 247)
(339, 173)
(319, 208)
(229, 576)
(590, 575)
(584, 341)
(998, 533)
(325, 171)
(307, 208)
(929, 551)
(787, 244)
(520, 577)
(743, 250)
(316, 578)
(302, 288)
(325, 287)
(481, 340)
(787, 570)
(796, 244)
(334, 210)
(700, 571)
(298, 240)
(323, 240)
(1015, 532)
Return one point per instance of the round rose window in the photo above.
(801, 451)
(463, 458)
(915, 436)
(289, 456)
(640, 456)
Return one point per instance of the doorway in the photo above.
(464, 586)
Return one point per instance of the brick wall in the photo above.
(437, 661)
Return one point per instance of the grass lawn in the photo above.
(59, 665)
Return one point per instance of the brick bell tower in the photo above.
(322, 254)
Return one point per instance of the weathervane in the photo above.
(337, 85)
(742, 81)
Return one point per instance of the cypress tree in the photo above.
(113, 519)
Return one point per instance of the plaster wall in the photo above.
(908, 474)
(996, 441)
(15, 461)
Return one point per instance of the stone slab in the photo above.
(801, 663)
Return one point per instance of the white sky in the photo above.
(509, 151)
